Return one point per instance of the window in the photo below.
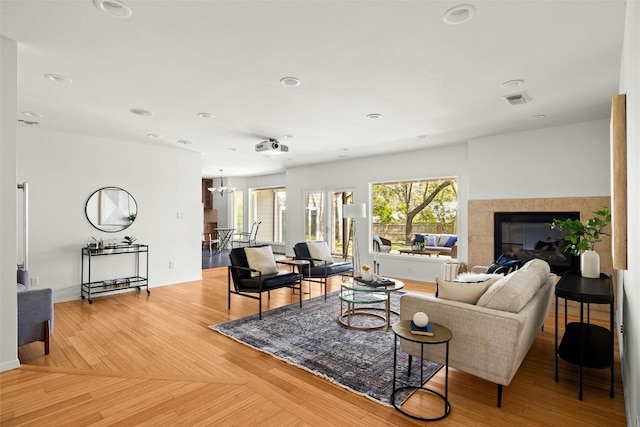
(314, 217)
(269, 206)
(238, 210)
(402, 209)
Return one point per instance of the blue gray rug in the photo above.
(311, 338)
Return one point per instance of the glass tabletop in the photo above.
(358, 297)
(354, 285)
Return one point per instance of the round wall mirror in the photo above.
(111, 209)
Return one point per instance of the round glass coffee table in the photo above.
(358, 298)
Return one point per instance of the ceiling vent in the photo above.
(518, 99)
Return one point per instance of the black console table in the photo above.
(89, 288)
(583, 343)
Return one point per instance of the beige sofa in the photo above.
(492, 336)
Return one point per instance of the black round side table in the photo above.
(441, 335)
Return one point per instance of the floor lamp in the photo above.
(354, 212)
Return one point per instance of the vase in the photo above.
(590, 264)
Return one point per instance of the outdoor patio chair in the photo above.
(250, 278)
(380, 244)
(322, 264)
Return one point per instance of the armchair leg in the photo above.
(46, 337)
(229, 288)
(409, 364)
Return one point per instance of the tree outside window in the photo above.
(403, 208)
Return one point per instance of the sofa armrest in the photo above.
(485, 341)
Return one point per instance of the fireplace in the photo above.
(527, 235)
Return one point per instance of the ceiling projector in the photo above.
(271, 145)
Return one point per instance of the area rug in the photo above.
(311, 338)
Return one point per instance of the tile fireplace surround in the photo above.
(481, 224)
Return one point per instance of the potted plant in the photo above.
(129, 240)
(581, 239)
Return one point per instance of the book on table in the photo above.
(425, 330)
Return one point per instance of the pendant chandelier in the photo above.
(223, 188)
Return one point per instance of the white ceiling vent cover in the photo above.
(518, 99)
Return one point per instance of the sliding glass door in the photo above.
(326, 223)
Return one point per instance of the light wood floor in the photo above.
(133, 359)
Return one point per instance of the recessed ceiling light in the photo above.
(58, 78)
(28, 122)
(537, 117)
(114, 8)
(31, 114)
(184, 142)
(512, 83)
(153, 135)
(459, 14)
(205, 115)
(141, 112)
(231, 149)
(288, 136)
(290, 81)
(422, 136)
(374, 116)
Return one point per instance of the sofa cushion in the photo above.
(320, 250)
(331, 270)
(467, 292)
(513, 292)
(470, 277)
(443, 239)
(261, 259)
(270, 281)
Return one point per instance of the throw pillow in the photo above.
(451, 241)
(504, 265)
(320, 251)
(431, 240)
(261, 259)
(462, 292)
(442, 240)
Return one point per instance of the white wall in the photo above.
(64, 169)
(8, 220)
(571, 161)
(629, 280)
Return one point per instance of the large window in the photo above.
(269, 207)
(238, 210)
(314, 217)
(402, 209)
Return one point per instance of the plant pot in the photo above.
(590, 264)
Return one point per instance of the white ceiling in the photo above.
(396, 58)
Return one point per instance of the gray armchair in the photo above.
(35, 313)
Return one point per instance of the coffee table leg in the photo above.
(387, 306)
